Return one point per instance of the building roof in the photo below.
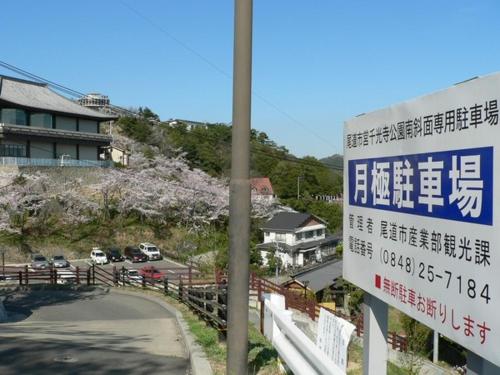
(321, 276)
(38, 96)
(262, 185)
(288, 221)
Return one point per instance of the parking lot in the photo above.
(17, 272)
(160, 264)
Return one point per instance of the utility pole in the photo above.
(239, 196)
(298, 187)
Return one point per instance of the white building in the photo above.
(297, 238)
(118, 155)
(42, 128)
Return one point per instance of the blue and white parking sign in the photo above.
(421, 227)
(453, 185)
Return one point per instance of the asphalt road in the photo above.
(164, 263)
(94, 332)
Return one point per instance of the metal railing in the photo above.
(297, 350)
(34, 162)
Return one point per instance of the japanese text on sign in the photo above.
(456, 185)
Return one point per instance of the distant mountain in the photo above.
(334, 161)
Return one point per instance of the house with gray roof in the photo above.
(40, 127)
(297, 239)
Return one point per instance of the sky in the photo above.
(316, 63)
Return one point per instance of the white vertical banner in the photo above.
(333, 337)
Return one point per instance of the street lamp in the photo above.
(62, 158)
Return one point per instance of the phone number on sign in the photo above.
(429, 273)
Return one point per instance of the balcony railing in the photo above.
(53, 133)
(33, 162)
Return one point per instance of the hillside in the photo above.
(174, 193)
(69, 210)
(209, 149)
(334, 161)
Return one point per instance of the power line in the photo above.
(54, 85)
(223, 72)
(79, 94)
(292, 159)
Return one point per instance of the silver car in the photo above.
(39, 262)
(58, 261)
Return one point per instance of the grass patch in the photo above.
(355, 364)
(262, 357)
(395, 321)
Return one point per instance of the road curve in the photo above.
(89, 332)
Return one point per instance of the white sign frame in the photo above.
(378, 274)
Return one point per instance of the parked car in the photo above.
(151, 272)
(98, 257)
(39, 262)
(132, 276)
(150, 250)
(66, 277)
(133, 254)
(114, 255)
(58, 261)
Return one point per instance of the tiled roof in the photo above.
(322, 276)
(288, 221)
(38, 96)
(262, 185)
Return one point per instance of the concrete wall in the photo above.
(64, 174)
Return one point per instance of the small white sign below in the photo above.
(333, 337)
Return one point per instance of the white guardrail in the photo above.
(299, 353)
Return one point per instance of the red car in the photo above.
(151, 272)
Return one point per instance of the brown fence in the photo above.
(206, 296)
(24, 275)
(310, 307)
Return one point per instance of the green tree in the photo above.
(417, 336)
(272, 262)
(148, 114)
(135, 128)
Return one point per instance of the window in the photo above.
(267, 234)
(298, 237)
(319, 232)
(66, 123)
(41, 120)
(309, 234)
(88, 126)
(13, 116)
(280, 237)
(17, 151)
